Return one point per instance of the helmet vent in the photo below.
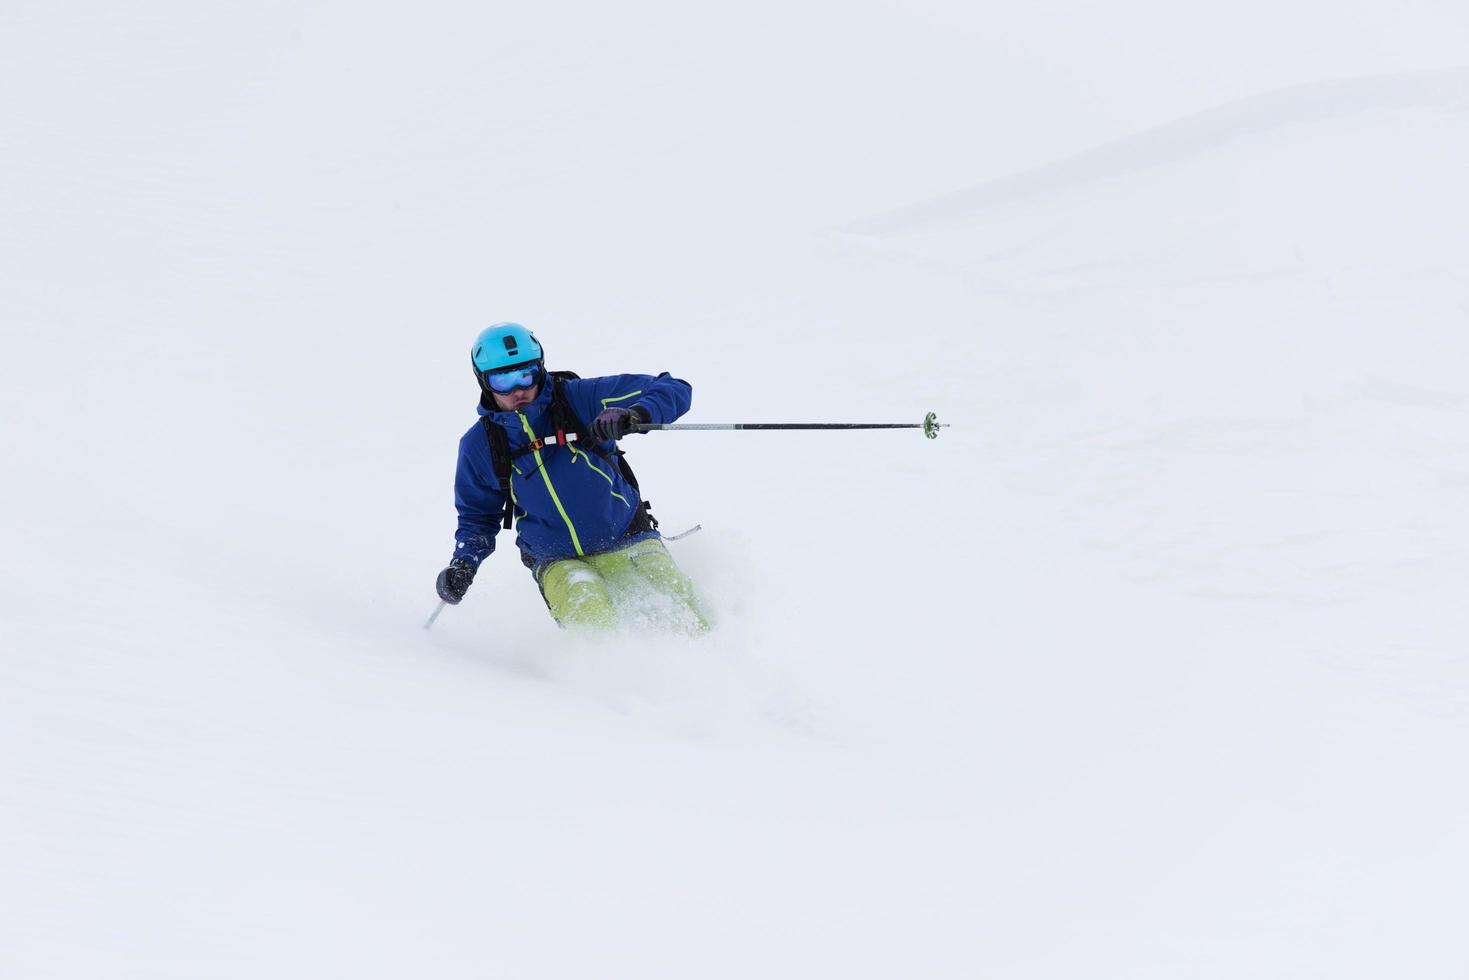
(511, 348)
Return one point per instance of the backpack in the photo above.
(564, 419)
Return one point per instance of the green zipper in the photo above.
(609, 401)
(541, 465)
(578, 454)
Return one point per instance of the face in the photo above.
(516, 400)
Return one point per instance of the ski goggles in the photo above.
(504, 382)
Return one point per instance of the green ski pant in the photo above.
(638, 585)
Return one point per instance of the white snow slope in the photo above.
(1153, 666)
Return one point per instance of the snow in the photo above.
(1152, 665)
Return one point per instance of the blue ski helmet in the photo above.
(503, 347)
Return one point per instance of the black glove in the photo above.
(454, 581)
(617, 422)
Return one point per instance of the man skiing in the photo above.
(583, 528)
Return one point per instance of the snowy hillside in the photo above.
(1153, 665)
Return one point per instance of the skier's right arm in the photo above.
(481, 507)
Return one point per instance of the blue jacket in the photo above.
(568, 502)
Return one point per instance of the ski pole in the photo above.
(930, 426)
(435, 615)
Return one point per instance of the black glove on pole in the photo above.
(615, 423)
(454, 581)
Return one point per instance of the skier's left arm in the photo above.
(656, 399)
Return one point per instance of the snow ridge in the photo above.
(1176, 141)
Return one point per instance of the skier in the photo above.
(584, 530)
